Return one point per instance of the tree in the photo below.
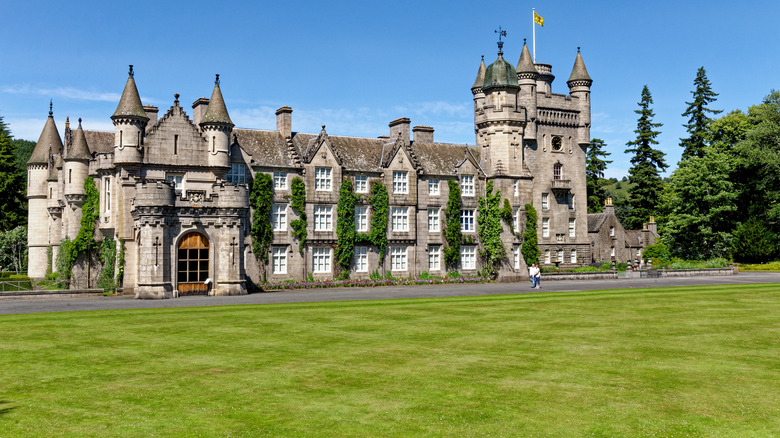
(594, 172)
(698, 121)
(754, 242)
(13, 210)
(13, 249)
(647, 163)
(23, 150)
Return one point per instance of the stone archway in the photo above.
(193, 264)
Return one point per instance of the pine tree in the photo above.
(13, 207)
(594, 172)
(647, 163)
(698, 122)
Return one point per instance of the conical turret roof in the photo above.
(526, 63)
(130, 102)
(53, 170)
(480, 75)
(500, 74)
(579, 72)
(49, 140)
(216, 112)
(78, 150)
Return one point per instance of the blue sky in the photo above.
(355, 66)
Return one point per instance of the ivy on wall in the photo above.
(298, 205)
(108, 258)
(379, 201)
(530, 248)
(84, 242)
(346, 234)
(262, 233)
(489, 217)
(452, 232)
(120, 271)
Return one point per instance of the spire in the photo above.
(130, 102)
(480, 74)
(49, 141)
(525, 66)
(216, 112)
(79, 149)
(579, 72)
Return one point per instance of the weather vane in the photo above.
(501, 33)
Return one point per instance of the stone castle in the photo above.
(176, 189)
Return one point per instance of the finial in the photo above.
(483, 57)
(323, 127)
(501, 33)
(51, 113)
(67, 122)
(79, 122)
(524, 43)
(578, 49)
(131, 70)
(216, 81)
(176, 99)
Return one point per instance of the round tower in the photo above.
(49, 147)
(579, 87)
(476, 89)
(75, 165)
(216, 127)
(526, 79)
(130, 121)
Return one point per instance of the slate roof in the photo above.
(100, 142)
(354, 153)
(267, 148)
(49, 139)
(441, 158)
(595, 221)
(480, 75)
(633, 238)
(216, 112)
(526, 63)
(579, 72)
(79, 149)
(130, 102)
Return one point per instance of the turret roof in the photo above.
(480, 75)
(49, 141)
(526, 64)
(216, 112)
(579, 72)
(500, 74)
(130, 102)
(78, 150)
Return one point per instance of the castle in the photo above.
(176, 189)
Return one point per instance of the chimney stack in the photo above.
(199, 109)
(151, 112)
(400, 127)
(608, 207)
(284, 121)
(423, 134)
(652, 226)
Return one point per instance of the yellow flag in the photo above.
(538, 19)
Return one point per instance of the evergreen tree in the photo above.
(698, 122)
(594, 172)
(647, 164)
(13, 205)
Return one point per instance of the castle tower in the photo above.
(476, 89)
(49, 147)
(526, 79)
(499, 120)
(216, 126)
(75, 169)
(130, 121)
(579, 86)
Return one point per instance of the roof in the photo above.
(595, 221)
(49, 141)
(480, 75)
(216, 112)
(53, 169)
(500, 74)
(579, 72)
(79, 149)
(633, 238)
(526, 64)
(267, 148)
(130, 102)
(100, 142)
(354, 153)
(441, 158)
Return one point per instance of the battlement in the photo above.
(151, 193)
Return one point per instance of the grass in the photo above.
(694, 361)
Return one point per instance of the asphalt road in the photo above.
(371, 293)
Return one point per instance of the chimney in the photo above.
(423, 134)
(400, 127)
(199, 109)
(284, 121)
(608, 207)
(652, 226)
(151, 112)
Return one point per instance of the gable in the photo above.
(174, 140)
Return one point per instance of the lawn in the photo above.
(694, 361)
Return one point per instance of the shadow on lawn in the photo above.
(5, 410)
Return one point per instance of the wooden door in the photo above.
(193, 269)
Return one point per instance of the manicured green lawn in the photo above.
(696, 361)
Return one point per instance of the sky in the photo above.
(355, 66)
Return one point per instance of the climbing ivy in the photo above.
(84, 242)
(120, 271)
(530, 247)
(346, 234)
(379, 201)
(298, 205)
(49, 260)
(452, 232)
(262, 232)
(108, 258)
(489, 217)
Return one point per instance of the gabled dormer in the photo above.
(175, 140)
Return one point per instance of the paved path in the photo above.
(372, 293)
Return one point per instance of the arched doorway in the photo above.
(193, 269)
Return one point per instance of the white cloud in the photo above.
(65, 92)
(30, 129)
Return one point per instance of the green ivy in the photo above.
(506, 213)
(49, 260)
(298, 205)
(530, 248)
(108, 258)
(489, 217)
(84, 242)
(120, 271)
(65, 259)
(346, 234)
(452, 232)
(379, 201)
(262, 233)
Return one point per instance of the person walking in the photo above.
(538, 277)
(532, 274)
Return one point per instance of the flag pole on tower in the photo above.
(537, 19)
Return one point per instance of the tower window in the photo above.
(175, 144)
(70, 176)
(213, 144)
(557, 171)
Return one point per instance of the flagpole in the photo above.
(533, 25)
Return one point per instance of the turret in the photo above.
(526, 79)
(579, 86)
(476, 89)
(216, 127)
(75, 166)
(130, 121)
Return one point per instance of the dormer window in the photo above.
(467, 185)
(322, 179)
(400, 182)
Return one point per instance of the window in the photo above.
(175, 144)
(107, 185)
(573, 256)
(612, 252)
(361, 219)
(547, 256)
(434, 226)
(279, 217)
(279, 260)
(434, 258)
(70, 176)
(546, 227)
(571, 201)
(467, 221)
(361, 184)
(468, 257)
(557, 171)
(467, 185)
(320, 260)
(611, 231)
(545, 201)
(560, 256)
(516, 187)
(639, 252)
(516, 220)
(433, 187)
(400, 219)
(571, 227)
(361, 259)
(323, 218)
(178, 181)
(400, 182)
(516, 256)
(280, 180)
(322, 178)
(237, 173)
(398, 258)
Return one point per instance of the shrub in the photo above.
(658, 252)
(754, 242)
